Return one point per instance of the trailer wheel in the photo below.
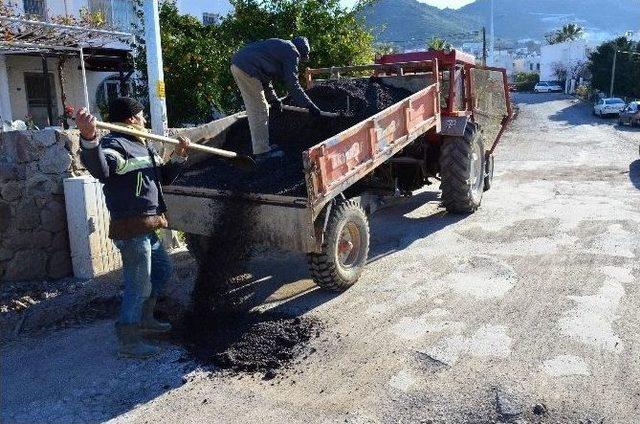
(345, 249)
(462, 171)
(198, 246)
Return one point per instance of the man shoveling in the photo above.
(254, 67)
(133, 175)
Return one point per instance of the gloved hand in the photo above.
(315, 111)
(276, 106)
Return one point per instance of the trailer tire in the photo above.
(462, 170)
(345, 248)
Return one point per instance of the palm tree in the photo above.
(569, 32)
(572, 32)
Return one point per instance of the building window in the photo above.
(112, 89)
(209, 18)
(531, 66)
(35, 9)
(123, 14)
(117, 13)
(537, 66)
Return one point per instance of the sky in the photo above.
(196, 7)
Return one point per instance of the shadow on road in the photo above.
(393, 229)
(537, 98)
(628, 128)
(74, 375)
(634, 173)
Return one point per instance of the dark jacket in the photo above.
(132, 173)
(271, 59)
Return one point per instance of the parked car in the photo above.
(547, 87)
(630, 114)
(610, 106)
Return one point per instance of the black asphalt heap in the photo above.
(294, 132)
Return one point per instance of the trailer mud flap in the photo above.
(454, 126)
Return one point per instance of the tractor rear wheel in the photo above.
(198, 246)
(462, 171)
(345, 248)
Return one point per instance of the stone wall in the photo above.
(33, 226)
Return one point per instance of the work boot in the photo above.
(149, 324)
(130, 343)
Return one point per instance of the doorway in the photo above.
(37, 98)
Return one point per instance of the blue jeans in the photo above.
(146, 268)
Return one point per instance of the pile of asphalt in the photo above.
(217, 330)
(239, 342)
(294, 133)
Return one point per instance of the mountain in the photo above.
(411, 23)
(532, 19)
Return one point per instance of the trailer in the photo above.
(447, 129)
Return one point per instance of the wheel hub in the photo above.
(349, 245)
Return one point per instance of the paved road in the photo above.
(532, 300)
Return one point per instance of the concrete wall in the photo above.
(567, 54)
(17, 66)
(33, 226)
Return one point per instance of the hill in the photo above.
(410, 23)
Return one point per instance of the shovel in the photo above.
(243, 162)
(305, 110)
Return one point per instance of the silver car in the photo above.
(610, 106)
(630, 114)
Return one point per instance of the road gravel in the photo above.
(526, 311)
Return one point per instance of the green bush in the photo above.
(526, 81)
(584, 92)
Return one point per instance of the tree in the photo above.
(197, 57)
(627, 67)
(382, 49)
(437, 43)
(569, 32)
(526, 81)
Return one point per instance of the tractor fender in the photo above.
(454, 125)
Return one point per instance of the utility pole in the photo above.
(484, 46)
(613, 72)
(155, 74)
(493, 35)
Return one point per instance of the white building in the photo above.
(22, 71)
(633, 35)
(502, 59)
(529, 63)
(566, 55)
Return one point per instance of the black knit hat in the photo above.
(123, 108)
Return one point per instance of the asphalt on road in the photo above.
(532, 300)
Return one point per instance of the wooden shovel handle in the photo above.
(163, 139)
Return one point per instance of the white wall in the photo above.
(18, 65)
(568, 54)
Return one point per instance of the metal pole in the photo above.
(484, 46)
(613, 72)
(155, 74)
(493, 35)
(47, 89)
(5, 100)
(84, 80)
